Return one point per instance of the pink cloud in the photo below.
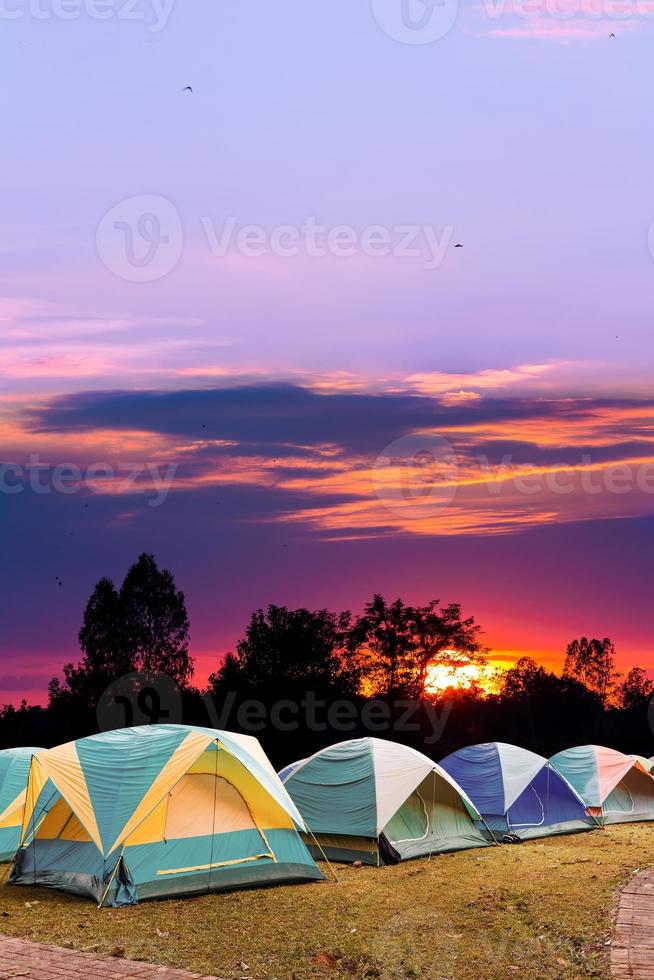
(563, 21)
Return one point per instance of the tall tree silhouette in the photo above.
(102, 642)
(636, 688)
(396, 644)
(144, 626)
(294, 647)
(155, 623)
(443, 639)
(385, 645)
(592, 662)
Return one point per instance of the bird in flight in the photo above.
(458, 245)
(611, 35)
(187, 88)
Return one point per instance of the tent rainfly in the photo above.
(517, 791)
(158, 810)
(14, 770)
(616, 788)
(378, 802)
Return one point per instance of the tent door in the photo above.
(207, 806)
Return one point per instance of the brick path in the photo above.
(38, 961)
(632, 949)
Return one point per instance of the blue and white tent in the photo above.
(518, 792)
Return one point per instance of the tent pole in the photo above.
(113, 875)
(319, 846)
(494, 838)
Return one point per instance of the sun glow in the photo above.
(455, 674)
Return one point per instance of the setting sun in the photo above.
(456, 673)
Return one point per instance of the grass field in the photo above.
(541, 909)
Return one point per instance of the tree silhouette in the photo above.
(396, 644)
(592, 663)
(384, 641)
(143, 627)
(530, 697)
(102, 642)
(636, 688)
(155, 623)
(295, 647)
(442, 638)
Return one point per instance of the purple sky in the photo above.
(167, 306)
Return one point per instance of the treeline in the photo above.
(300, 679)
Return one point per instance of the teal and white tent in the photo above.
(378, 802)
(616, 788)
(14, 771)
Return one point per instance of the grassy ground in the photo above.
(541, 909)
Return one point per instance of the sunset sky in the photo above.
(302, 425)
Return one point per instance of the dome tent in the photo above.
(158, 810)
(517, 791)
(379, 802)
(616, 788)
(14, 770)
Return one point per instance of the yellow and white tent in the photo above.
(14, 770)
(158, 810)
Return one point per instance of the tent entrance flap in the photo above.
(631, 800)
(433, 819)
